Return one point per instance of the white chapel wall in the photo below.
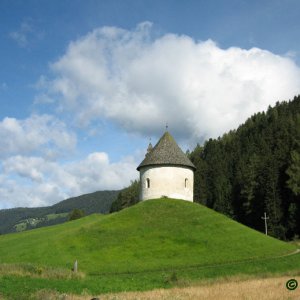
(171, 181)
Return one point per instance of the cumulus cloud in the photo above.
(36, 134)
(141, 82)
(28, 167)
(30, 150)
(35, 181)
(138, 81)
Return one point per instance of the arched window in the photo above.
(185, 182)
(147, 183)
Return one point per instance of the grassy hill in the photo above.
(152, 235)
(154, 244)
(22, 218)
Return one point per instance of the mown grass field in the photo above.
(236, 288)
(155, 244)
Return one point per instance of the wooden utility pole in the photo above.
(266, 225)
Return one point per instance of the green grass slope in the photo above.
(152, 235)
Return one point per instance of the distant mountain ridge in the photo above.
(22, 218)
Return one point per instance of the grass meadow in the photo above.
(158, 244)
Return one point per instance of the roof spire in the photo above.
(166, 152)
(150, 147)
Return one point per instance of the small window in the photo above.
(147, 183)
(185, 182)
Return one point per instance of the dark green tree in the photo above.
(255, 169)
(127, 197)
(294, 173)
(76, 214)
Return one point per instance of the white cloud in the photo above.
(14, 194)
(35, 181)
(39, 133)
(28, 167)
(142, 82)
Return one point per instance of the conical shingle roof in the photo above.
(166, 152)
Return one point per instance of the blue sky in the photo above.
(84, 85)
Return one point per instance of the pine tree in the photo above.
(294, 173)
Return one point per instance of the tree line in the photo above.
(255, 169)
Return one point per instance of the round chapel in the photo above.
(166, 171)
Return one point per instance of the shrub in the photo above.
(76, 214)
